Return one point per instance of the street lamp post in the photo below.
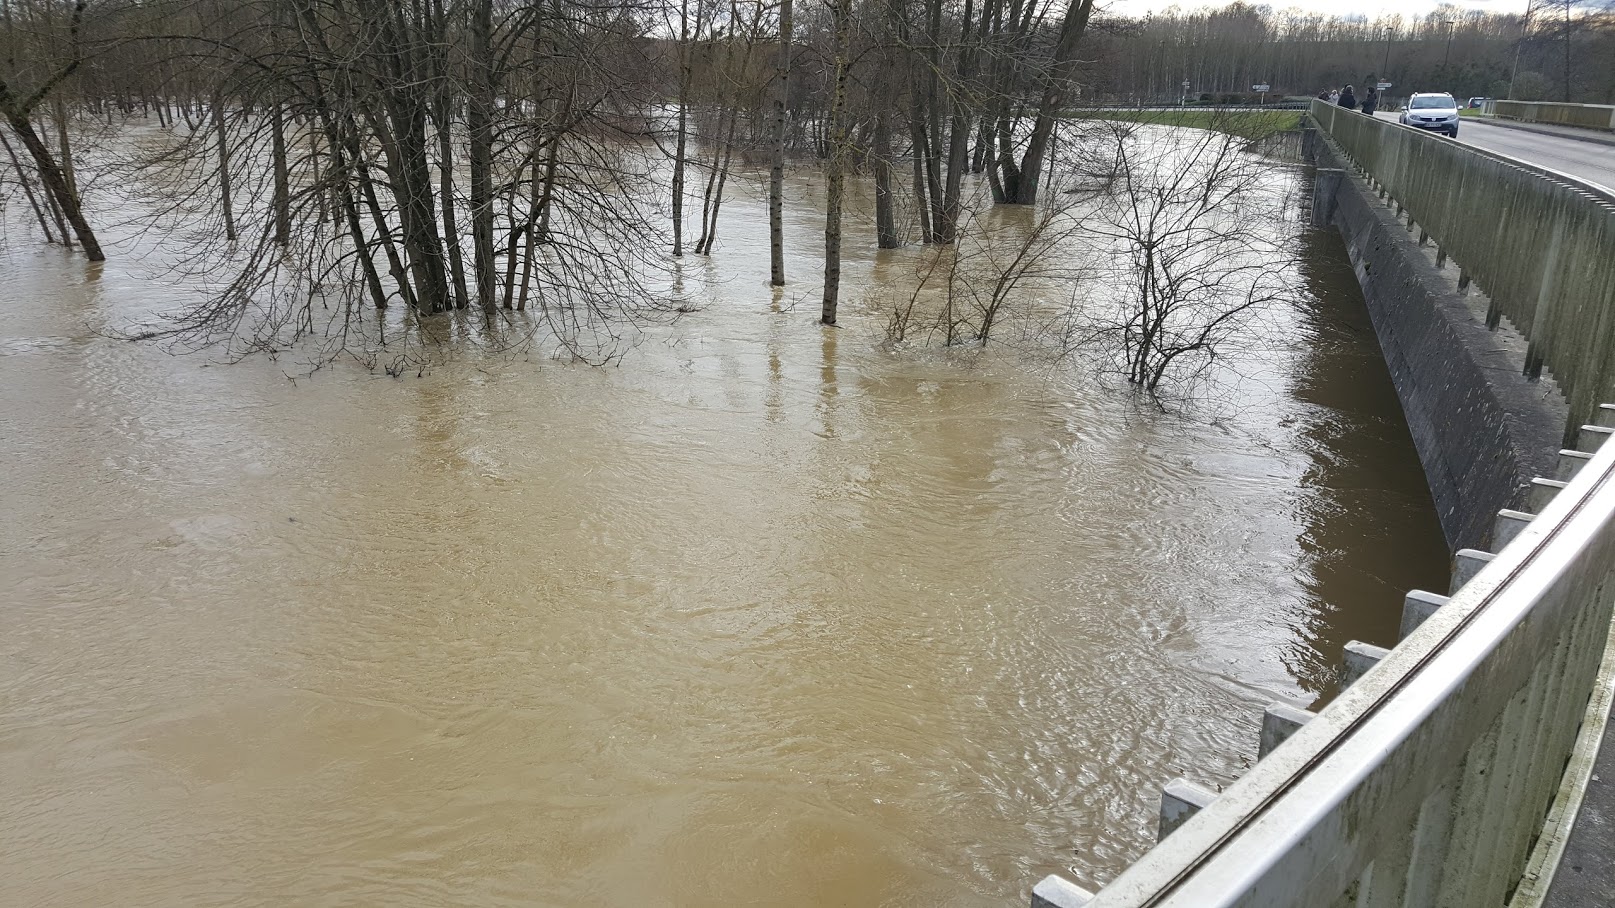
(1385, 69)
(1447, 57)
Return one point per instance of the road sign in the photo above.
(1185, 84)
(1383, 85)
(1261, 87)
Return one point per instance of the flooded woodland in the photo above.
(764, 608)
(643, 578)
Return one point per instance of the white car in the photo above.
(1431, 110)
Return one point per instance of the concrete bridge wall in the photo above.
(1592, 116)
(1452, 768)
(1482, 429)
(1540, 244)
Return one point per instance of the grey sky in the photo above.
(1411, 9)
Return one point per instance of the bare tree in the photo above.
(17, 106)
(1002, 264)
(1021, 183)
(836, 175)
(1192, 229)
(325, 135)
(776, 172)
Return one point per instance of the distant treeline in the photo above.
(1555, 54)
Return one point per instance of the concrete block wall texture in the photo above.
(1541, 245)
(1591, 116)
(1481, 429)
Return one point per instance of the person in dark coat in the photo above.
(1348, 99)
(1370, 100)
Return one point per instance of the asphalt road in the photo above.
(1587, 160)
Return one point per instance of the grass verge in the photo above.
(1247, 124)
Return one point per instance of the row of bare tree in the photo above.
(449, 154)
(334, 157)
(1561, 50)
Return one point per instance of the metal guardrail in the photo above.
(1429, 780)
(1591, 116)
(1539, 243)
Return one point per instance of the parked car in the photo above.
(1431, 110)
(1475, 103)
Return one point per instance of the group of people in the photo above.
(1347, 98)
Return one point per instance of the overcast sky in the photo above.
(1368, 8)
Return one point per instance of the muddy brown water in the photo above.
(766, 614)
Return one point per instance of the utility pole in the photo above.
(1447, 57)
(1385, 69)
(1525, 30)
(1568, 4)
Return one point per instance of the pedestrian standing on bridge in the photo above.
(1348, 99)
(1334, 97)
(1370, 100)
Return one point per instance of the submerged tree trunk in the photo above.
(513, 239)
(542, 194)
(958, 135)
(922, 205)
(384, 234)
(932, 118)
(885, 219)
(776, 172)
(537, 211)
(1062, 72)
(683, 127)
(712, 201)
(401, 132)
(282, 200)
(479, 117)
(28, 188)
(443, 124)
(225, 208)
(50, 173)
(62, 228)
(552, 159)
(59, 188)
(66, 145)
(350, 210)
(836, 176)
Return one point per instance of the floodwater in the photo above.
(766, 614)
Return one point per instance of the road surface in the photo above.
(1587, 160)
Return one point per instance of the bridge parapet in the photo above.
(1539, 243)
(1591, 116)
(1450, 769)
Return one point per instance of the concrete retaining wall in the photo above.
(1540, 244)
(1481, 428)
(1592, 116)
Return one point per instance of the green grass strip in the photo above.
(1247, 124)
